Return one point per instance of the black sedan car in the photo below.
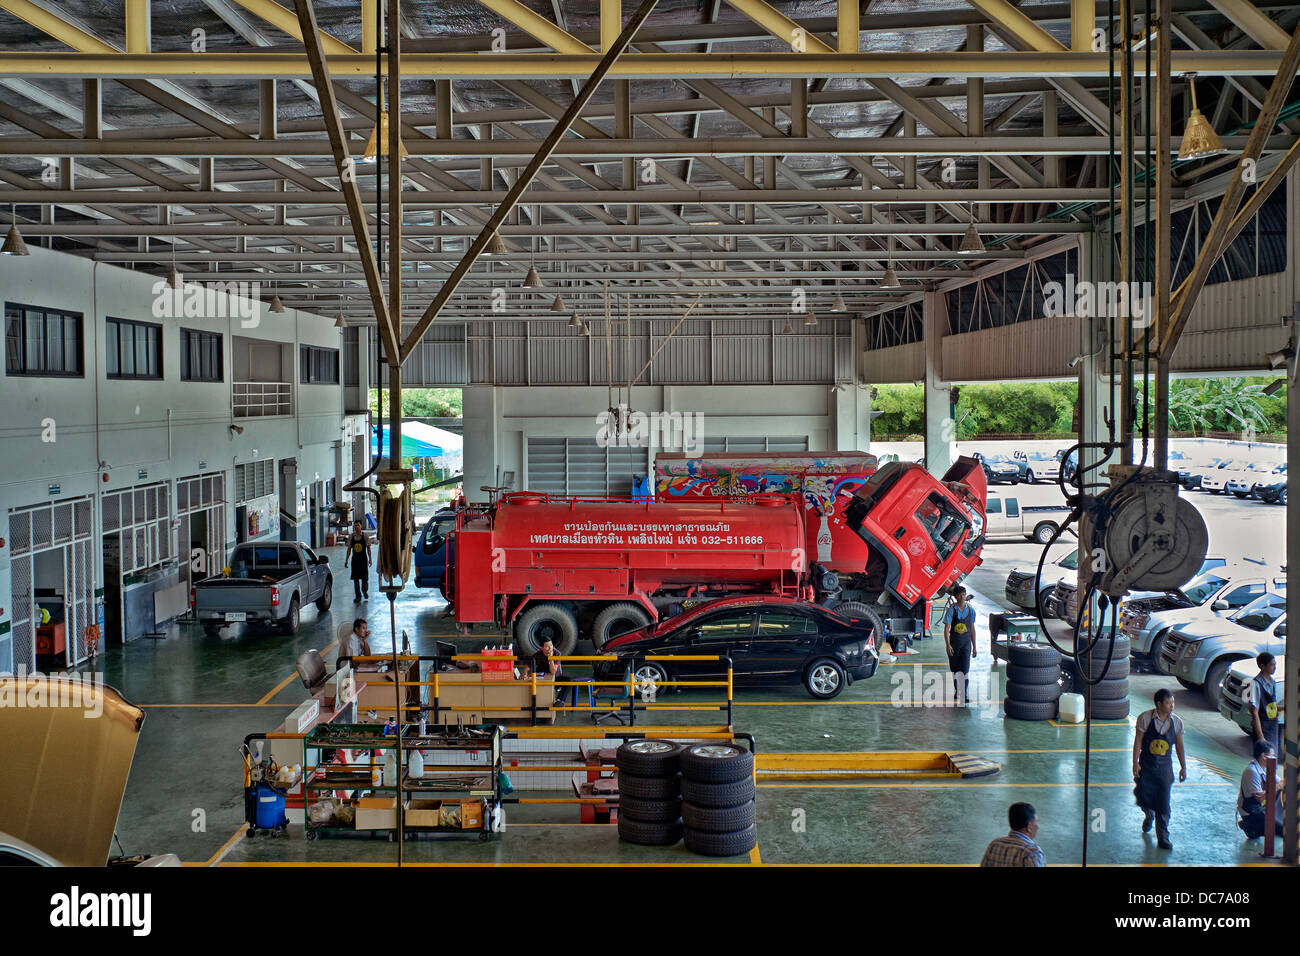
(772, 641)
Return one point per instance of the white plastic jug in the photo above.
(1071, 708)
(415, 765)
(390, 770)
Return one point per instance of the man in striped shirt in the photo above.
(1017, 848)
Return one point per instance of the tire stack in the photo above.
(649, 792)
(1109, 697)
(718, 799)
(1033, 681)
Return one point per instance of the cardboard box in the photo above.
(422, 812)
(376, 813)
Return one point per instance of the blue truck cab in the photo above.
(434, 551)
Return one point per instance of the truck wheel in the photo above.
(1158, 645)
(292, 619)
(211, 630)
(615, 620)
(1043, 532)
(716, 763)
(1187, 685)
(546, 622)
(326, 597)
(648, 758)
(1213, 680)
(857, 611)
(824, 679)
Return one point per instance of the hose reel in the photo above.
(396, 520)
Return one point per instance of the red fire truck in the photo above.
(564, 568)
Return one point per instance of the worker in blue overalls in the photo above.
(1158, 732)
(1263, 701)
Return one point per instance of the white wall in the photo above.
(165, 428)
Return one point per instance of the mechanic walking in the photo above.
(1263, 701)
(1158, 732)
(959, 638)
(358, 554)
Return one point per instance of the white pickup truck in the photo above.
(269, 582)
(1006, 516)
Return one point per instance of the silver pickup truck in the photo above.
(269, 583)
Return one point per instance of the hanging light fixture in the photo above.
(1199, 138)
(890, 279)
(377, 145)
(276, 304)
(574, 321)
(789, 329)
(339, 321)
(532, 280)
(809, 320)
(496, 246)
(174, 279)
(971, 243)
(837, 305)
(558, 305)
(14, 245)
(586, 329)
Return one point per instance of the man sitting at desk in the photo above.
(358, 644)
(546, 665)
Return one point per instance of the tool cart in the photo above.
(454, 796)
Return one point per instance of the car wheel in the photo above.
(293, 618)
(717, 763)
(648, 834)
(651, 679)
(1033, 693)
(1281, 497)
(718, 819)
(546, 622)
(717, 794)
(1241, 494)
(1033, 654)
(1158, 644)
(1109, 709)
(1110, 689)
(648, 758)
(648, 788)
(1027, 710)
(650, 811)
(824, 679)
(1187, 685)
(1018, 674)
(1044, 531)
(327, 596)
(1043, 595)
(1030, 478)
(1213, 681)
(1214, 491)
(615, 620)
(720, 844)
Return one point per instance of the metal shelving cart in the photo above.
(475, 788)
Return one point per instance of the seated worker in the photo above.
(358, 644)
(546, 665)
(1250, 799)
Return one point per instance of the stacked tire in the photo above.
(649, 792)
(718, 799)
(1033, 681)
(1108, 697)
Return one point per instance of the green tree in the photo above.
(424, 402)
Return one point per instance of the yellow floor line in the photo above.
(755, 857)
(225, 847)
(288, 680)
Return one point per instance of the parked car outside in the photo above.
(1064, 601)
(999, 469)
(1200, 654)
(1271, 487)
(1239, 482)
(772, 641)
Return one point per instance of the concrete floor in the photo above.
(203, 696)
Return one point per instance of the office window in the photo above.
(200, 356)
(132, 349)
(319, 366)
(42, 341)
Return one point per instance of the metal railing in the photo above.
(262, 399)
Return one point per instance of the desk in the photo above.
(375, 693)
(492, 701)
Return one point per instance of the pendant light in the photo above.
(377, 145)
(276, 305)
(890, 279)
(339, 321)
(174, 279)
(558, 305)
(809, 320)
(1199, 138)
(13, 244)
(837, 305)
(971, 243)
(788, 329)
(496, 246)
(532, 280)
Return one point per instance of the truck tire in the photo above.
(717, 762)
(1110, 709)
(648, 834)
(615, 620)
(720, 844)
(1032, 654)
(857, 611)
(1213, 681)
(1187, 685)
(650, 811)
(1158, 644)
(649, 758)
(1119, 667)
(647, 788)
(1043, 531)
(1018, 674)
(326, 596)
(1033, 693)
(211, 630)
(1109, 689)
(1029, 710)
(717, 794)
(718, 819)
(543, 622)
(293, 618)
(824, 678)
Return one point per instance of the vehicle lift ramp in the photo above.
(895, 764)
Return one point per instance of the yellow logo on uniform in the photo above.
(959, 628)
(1270, 710)
(1159, 747)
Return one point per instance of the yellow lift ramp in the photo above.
(891, 764)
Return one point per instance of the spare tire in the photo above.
(1033, 693)
(1033, 675)
(721, 844)
(1119, 666)
(615, 620)
(717, 794)
(1109, 709)
(716, 762)
(1032, 654)
(1123, 647)
(650, 811)
(647, 833)
(857, 611)
(543, 622)
(648, 758)
(647, 788)
(1107, 689)
(1028, 710)
(718, 819)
